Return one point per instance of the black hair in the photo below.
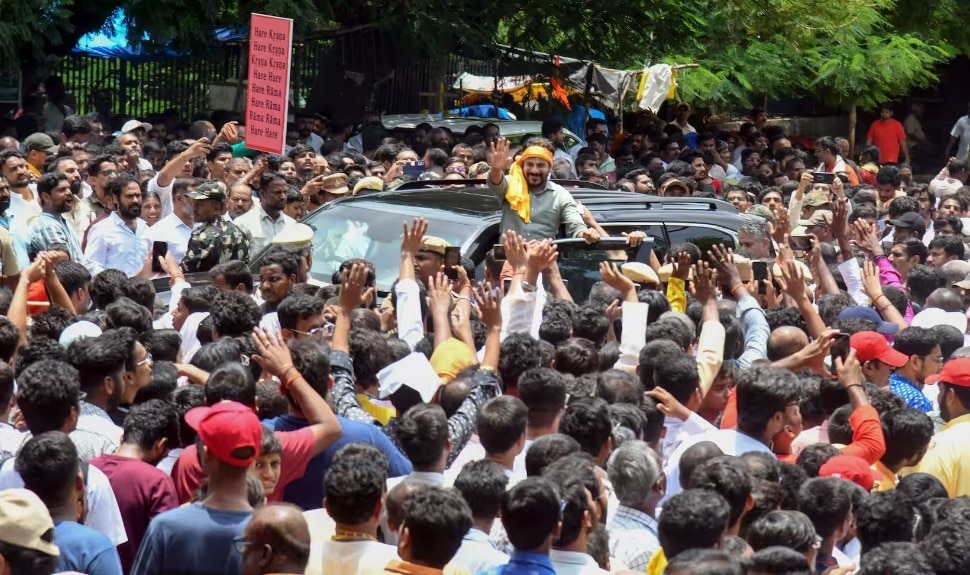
(235, 273)
(780, 561)
(587, 420)
(543, 390)
(199, 298)
(694, 518)
(289, 261)
(827, 502)
(669, 330)
(946, 548)
(37, 350)
(814, 456)
(915, 341)
(97, 358)
(951, 246)
(48, 464)
(370, 353)
(546, 450)
(163, 385)
(108, 286)
(727, 476)
(72, 275)
(576, 356)
(693, 457)
(354, 483)
(921, 487)
(163, 344)
(422, 433)
(679, 376)
(233, 382)
(9, 339)
(519, 353)
(150, 422)
(907, 433)
(530, 513)
(482, 483)
(184, 399)
(556, 325)
(922, 280)
(24, 560)
(652, 355)
(617, 386)
(501, 423)
(212, 355)
(142, 292)
(437, 520)
(125, 313)
(590, 323)
(898, 558)
(573, 495)
(50, 324)
(312, 360)
(761, 393)
(791, 529)
(706, 562)
(234, 314)
(270, 403)
(883, 517)
(831, 305)
(296, 307)
(47, 392)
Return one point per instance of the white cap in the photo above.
(132, 125)
(414, 371)
(78, 330)
(936, 316)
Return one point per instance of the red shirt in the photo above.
(143, 491)
(297, 452)
(886, 135)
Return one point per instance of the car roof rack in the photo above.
(440, 183)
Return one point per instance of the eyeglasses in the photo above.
(148, 359)
(240, 543)
(325, 330)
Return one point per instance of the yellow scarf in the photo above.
(517, 193)
(658, 563)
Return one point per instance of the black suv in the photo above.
(467, 214)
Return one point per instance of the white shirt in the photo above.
(574, 563)
(961, 131)
(473, 451)
(349, 557)
(261, 228)
(477, 554)
(173, 231)
(11, 439)
(731, 442)
(24, 210)
(103, 512)
(113, 245)
(168, 463)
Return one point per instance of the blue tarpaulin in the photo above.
(112, 42)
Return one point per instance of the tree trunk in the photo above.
(852, 122)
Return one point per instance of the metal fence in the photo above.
(140, 89)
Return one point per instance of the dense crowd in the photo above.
(683, 418)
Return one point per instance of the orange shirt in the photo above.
(887, 135)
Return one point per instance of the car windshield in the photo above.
(343, 232)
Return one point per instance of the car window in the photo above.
(701, 235)
(579, 263)
(345, 232)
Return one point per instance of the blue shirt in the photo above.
(85, 550)
(307, 491)
(906, 389)
(192, 539)
(524, 563)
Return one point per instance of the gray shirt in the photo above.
(551, 208)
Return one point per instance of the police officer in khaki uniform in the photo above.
(215, 240)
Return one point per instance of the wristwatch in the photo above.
(527, 287)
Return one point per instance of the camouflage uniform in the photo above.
(213, 243)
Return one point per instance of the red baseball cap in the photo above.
(955, 372)
(850, 468)
(869, 345)
(226, 427)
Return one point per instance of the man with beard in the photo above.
(532, 206)
(23, 202)
(264, 223)
(66, 166)
(56, 199)
(99, 204)
(215, 240)
(101, 363)
(948, 458)
(121, 240)
(304, 123)
(303, 157)
(16, 229)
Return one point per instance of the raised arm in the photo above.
(498, 161)
(793, 283)
(275, 359)
(408, 308)
(173, 168)
(440, 308)
(55, 290)
(868, 441)
(17, 313)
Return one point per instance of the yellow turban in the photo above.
(517, 193)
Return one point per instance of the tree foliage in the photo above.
(842, 52)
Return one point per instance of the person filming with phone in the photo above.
(532, 206)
